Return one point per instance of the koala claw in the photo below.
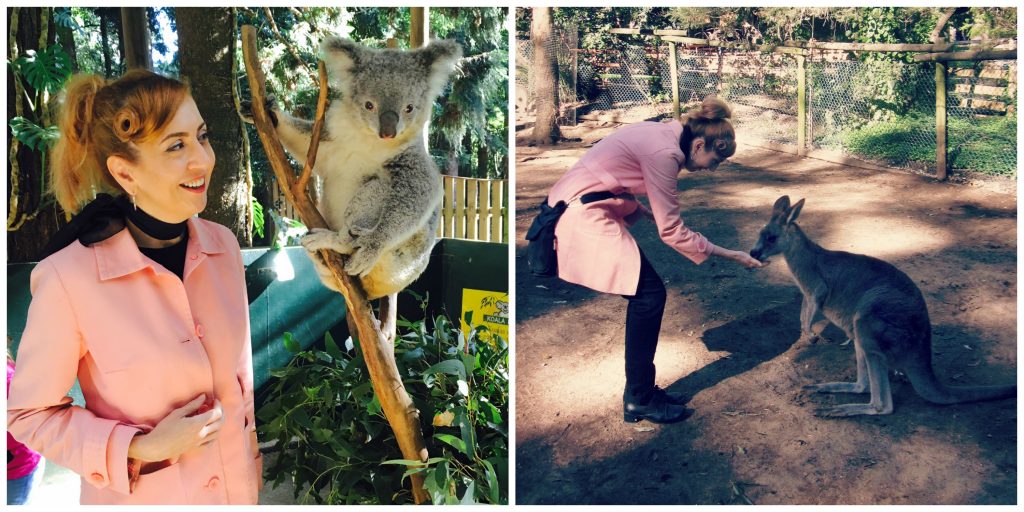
(319, 238)
(361, 261)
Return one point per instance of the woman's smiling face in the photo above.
(171, 173)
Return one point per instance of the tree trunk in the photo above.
(105, 39)
(67, 41)
(206, 42)
(482, 159)
(544, 75)
(32, 220)
(135, 27)
(115, 15)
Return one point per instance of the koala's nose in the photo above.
(388, 125)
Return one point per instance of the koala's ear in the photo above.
(342, 55)
(440, 56)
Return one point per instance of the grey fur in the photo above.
(878, 306)
(381, 189)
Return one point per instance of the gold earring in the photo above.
(134, 206)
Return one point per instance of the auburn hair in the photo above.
(100, 119)
(710, 121)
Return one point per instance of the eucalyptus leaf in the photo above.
(290, 344)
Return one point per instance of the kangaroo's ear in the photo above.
(794, 212)
(780, 207)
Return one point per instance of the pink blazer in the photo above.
(595, 248)
(141, 343)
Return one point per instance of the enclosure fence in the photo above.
(474, 209)
(864, 108)
(471, 209)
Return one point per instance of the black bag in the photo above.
(540, 253)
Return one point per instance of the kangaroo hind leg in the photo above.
(861, 386)
(875, 362)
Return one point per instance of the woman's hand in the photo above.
(740, 257)
(185, 428)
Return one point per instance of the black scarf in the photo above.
(103, 218)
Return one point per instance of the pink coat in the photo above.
(141, 344)
(595, 248)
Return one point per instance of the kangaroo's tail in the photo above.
(923, 378)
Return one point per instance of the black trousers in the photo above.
(643, 323)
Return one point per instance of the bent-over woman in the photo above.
(596, 250)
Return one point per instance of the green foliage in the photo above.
(336, 446)
(985, 145)
(258, 221)
(45, 70)
(32, 135)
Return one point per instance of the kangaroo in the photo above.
(879, 307)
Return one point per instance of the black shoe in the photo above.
(658, 410)
(672, 398)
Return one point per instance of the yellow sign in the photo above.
(486, 308)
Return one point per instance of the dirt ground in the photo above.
(730, 339)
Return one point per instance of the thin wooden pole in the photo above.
(494, 187)
(459, 202)
(940, 121)
(378, 353)
(801, 105)
(472, 219)
(968, 55)
(673, 67)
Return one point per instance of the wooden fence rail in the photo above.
(474, 209)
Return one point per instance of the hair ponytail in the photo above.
(100, 119)
(711, 122)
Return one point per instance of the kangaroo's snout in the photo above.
(388, 125)
(756, 254)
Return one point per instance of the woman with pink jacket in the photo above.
(143, 303)
(595, 249)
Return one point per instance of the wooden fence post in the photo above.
(940, 121)
(801, 105)
(673, 68)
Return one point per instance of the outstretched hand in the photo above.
(740, 257)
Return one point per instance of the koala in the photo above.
(380, 189)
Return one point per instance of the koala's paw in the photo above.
(362, 259)
(320, 238)
(246, 110)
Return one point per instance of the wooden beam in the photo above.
(674, 69)
(969, 55)
(632, 31)
(940, 121)
(801, 105)
(788, 50)
(869, 47)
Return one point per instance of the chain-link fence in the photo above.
(981, 100)
(563, 44)
(878, 109)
